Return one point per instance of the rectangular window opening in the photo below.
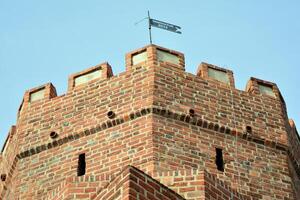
(219, 160)
(81, 165)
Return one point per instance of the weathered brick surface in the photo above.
(196, 184)
(85, 187)
(154, 130)
(132, 184)
(294, 156)
(106, 153)
(254, 167)
(220, 103)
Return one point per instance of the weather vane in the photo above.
(160, 24)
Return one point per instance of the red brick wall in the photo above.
(107, 152)
(83, 107)
(248, 164)
(294, 156)
(134, 184)
(219, 103)
(8, 160)
(84, 187)
(190, 183)
(215, 189)
(152, 130)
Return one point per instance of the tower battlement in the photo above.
(156, 118)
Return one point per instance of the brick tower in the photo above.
(152, 132)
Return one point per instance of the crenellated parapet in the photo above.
(43, 92)
(158, 117)
(211, 94)
(37, 95)
(102, 71)
(215, 73)
(153, 55)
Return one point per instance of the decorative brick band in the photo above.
(76, 136)
(165, 113)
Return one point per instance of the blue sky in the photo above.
(45, 41)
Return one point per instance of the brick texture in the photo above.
(159, 140)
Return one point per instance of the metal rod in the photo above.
(149, 27)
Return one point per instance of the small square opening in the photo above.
(84, 78)
(164, 56)
(218, 75)
(139, 57)
(266, 89)
(37, 95)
